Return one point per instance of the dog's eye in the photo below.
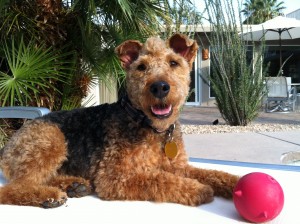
(173, 63)
(141, 67)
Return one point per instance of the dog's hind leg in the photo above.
(29, 161)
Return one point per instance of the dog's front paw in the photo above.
(203, 194)
(78, 190)
(54, 203)
(225, 187)
(206, 194)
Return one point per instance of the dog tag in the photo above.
(171, 150)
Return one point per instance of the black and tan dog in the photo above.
(129, 150)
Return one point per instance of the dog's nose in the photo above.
(160, 89)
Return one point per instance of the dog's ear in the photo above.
(128, 52)
(184, 46)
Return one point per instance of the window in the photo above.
(290, 60)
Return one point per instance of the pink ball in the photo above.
(258, 197)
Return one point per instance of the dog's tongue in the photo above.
(161, 109)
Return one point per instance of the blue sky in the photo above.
(291, 5)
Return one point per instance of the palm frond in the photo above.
(32, 69)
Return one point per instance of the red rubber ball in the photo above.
(258, 197)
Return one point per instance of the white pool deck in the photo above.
(91, 209)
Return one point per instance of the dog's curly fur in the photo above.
(116, 150)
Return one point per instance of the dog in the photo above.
(128, 150)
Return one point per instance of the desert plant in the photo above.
(238, 83)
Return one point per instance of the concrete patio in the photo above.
(255, 147)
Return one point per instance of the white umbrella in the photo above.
(278, 28)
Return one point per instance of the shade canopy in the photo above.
(280, 27)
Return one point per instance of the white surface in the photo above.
(91, 209)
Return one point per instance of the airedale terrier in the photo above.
(129, 150)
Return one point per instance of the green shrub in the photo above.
(238, 83)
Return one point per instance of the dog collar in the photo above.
(170, 147)
(139, 116)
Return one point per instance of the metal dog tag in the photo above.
(171, 150)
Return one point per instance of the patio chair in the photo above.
(23, 112)
(280, 96)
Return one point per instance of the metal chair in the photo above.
(280, 97)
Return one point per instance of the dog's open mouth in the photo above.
(161, 110)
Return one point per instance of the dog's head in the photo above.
(158, 76)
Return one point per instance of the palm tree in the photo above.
(83, 33)
(259, 11)
(179, 13)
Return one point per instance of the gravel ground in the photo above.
(209, 129)
(198, 120)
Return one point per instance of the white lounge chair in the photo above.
(281, 97)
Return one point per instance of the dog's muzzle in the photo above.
(160, 90)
